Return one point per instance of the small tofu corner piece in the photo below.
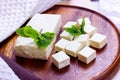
(72, 48)
(61, 44)
(87, 21)
(89, 29)
(25, 47)
(61, 59)
(83, 39)
(86, 55)
(98, 40)
(69, 24)
(66, 36)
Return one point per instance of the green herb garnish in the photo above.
(42, 40)
(75, 30)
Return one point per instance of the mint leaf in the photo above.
(42, 40)
(45, 39)
(82, 26)
(74, 30)
(29, 31)
(20, 32)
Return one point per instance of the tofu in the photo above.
(87, 55)
(90, 30)
(87, 21)
(98, 40)
(61, 60)
(61, 44)
(69, 24)
(25, 47)
(66, 36)
(73, 48)
(83, 39)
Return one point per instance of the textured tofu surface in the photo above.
(61, 44)
(86, 55)
(60, 59)
(98, 40)
(25, 47)
(73, 48)
(83, 39)
(66, 35)
(69, 24)
(90, 30)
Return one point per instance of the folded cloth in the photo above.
(13, 13)
(18, 70)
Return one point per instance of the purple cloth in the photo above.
(19, 71)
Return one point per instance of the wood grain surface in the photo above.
(106, 60)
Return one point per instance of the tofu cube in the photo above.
(98, 40)
(72, 48)
(61, 44)
(61, 59)
(69, 24)
(83, 39)
(86, 55)
(66, 36)
(87, 21)
(90, 30)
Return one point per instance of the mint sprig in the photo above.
(42, 40)
(76, 30)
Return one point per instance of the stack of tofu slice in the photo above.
(78, 46)
(26, 47)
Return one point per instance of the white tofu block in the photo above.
(90, 30)
(86, 55)
(98, 40)
(72, 48)
(61, 44)
(83, 39)
(87, 21)
(66, 36)
(61, 59)
(25, 47)
(69, 24)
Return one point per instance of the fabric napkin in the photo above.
(13, 13)
(9, 70)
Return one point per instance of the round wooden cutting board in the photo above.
(106, 60)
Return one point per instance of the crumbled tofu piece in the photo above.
(72, 48)
(86, 55)
(90, 30)
(83, 39)
(61, 44)
(66, 35)
(61, 59)
(87, 21)
(69, 24)
(26, 47)
(98, 40)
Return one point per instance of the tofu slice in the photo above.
(98, 40)
(72, 48)
(60, 59)
(61, 44)
(66, 36)
(25, 47)
(87, 21)
(83, 39)
(86, 55)
(69, 24)
(90, 30)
